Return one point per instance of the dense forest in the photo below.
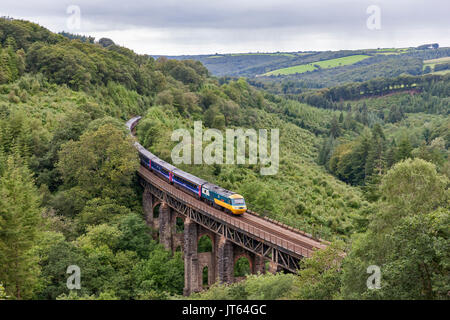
(364, 166)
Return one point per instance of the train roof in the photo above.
(154, 158)
(189, 177)
(130, 122)
(163, 164)
(219, 190)
(144, 151)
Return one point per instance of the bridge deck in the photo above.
(261, 228)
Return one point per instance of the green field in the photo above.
(431, 63)
(391, 50)
(388, 53)
(325, 64)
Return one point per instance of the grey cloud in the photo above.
(236, 21)
(236, 13)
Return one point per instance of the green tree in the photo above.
(135, 236)
(102, 162)
(98, 211)
(160, 273)
(418, 266)
(320, 276)
(403, 150)
(219, 122)
(376, 163)
(413, 187)
(407, 238)
(335, 129)
(390, 154)
(269, 286)
(3, 295)
(20, 218)
(100, 235)
(210, 116)
(105, 42)
(326, 150)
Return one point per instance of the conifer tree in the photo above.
(19, 225)
(326, 150)
(403, 150)
(335, 130)
(376, 162)
(390, 154)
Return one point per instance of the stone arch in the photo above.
(205, 242)
(179, 224)
(244, 256)
(205, 276)
(155, 209)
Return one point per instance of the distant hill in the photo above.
(321, 69)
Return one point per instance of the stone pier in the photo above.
(220, 261)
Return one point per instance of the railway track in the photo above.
(288, 234)
(259, 227)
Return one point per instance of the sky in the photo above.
(176, 27)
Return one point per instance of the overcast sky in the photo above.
(175, 27)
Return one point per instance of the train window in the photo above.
(144, 160)
(160, 169)
(185, 182)
(238, 201)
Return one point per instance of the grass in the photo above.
(431, 63)
(325, 64)
(389, 53)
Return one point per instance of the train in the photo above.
(203, 190)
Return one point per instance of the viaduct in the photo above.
(182, 220)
